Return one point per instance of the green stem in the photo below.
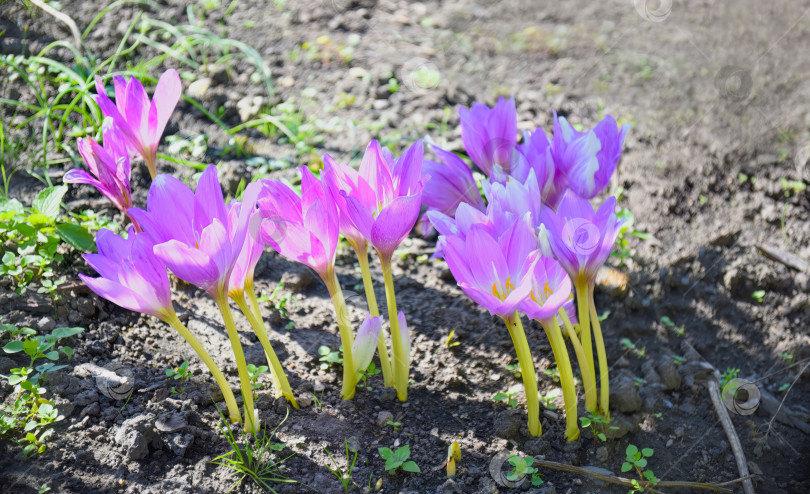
(251, 424)
(230, 401)
(346, 338)
(566, 377)
(276, 370)
(371, 298)
(585, 337)
(526, 362)
(401, 360)
(588, 378)
(604, 378)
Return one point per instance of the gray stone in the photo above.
(624, 395)
(669, 372)
(180, 443)
(623, 425)
(86, 397)
(85, 307)
(46, 324)
(135, 434)
(450, 487)
(383, 417)
(171, 422)
(602, 454)
(507, 424)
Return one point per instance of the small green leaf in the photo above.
(631, 450)
(60, 333)
(13, 347)
(52, 355)
(647, 452)
(641, 463)
(602, 436)
(626, 467)
(385, 453)
(410, 466)
(14, 379)
(76, 236)
(48, 201)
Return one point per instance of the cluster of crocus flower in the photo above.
(376, 205)
(216, 246)
(536, 240)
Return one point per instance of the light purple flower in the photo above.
(131, 276)
(551, 289)
(489, 134)
(301, 228)
(385, 205)
(580, 238)
(194, 237)
(365, 343)
(109, 167)
(140, 120)
(252, 249)
(451, 183)
(341, 177)
(588, 159)
(494, 272)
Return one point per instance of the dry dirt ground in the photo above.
(718, 96)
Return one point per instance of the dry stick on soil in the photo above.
(77, 37)
(629, 483)
(712, 383)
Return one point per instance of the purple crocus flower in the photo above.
(131, 276)
(301, 228)
(140, 120)
(494, 272)
(451, 184)
(551, 289)
(580, 238)
(489, 134)
(109, 168)
(535, 154)
(341, 177)
(365, 343)
(588, 159)
(386, 203)
(193, 235)
(242, 274)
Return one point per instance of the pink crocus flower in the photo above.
(341, 177)
(140, 120)
(243, 269)
(496, 272)
(385, 205)
(581, 238)
(130, 275)
(489, 134)
(301, 228)
(109, 168)
(194, 236)
(451, 183)
(588, 159)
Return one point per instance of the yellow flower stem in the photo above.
(566, 377)
(604, 378)
(588, 378)
(346, 336)
(277, 374)
(230, 401)
(250, 290)
(526, 362)
(585, 337)
(401, 360)
(251, 424)
(382, 350)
